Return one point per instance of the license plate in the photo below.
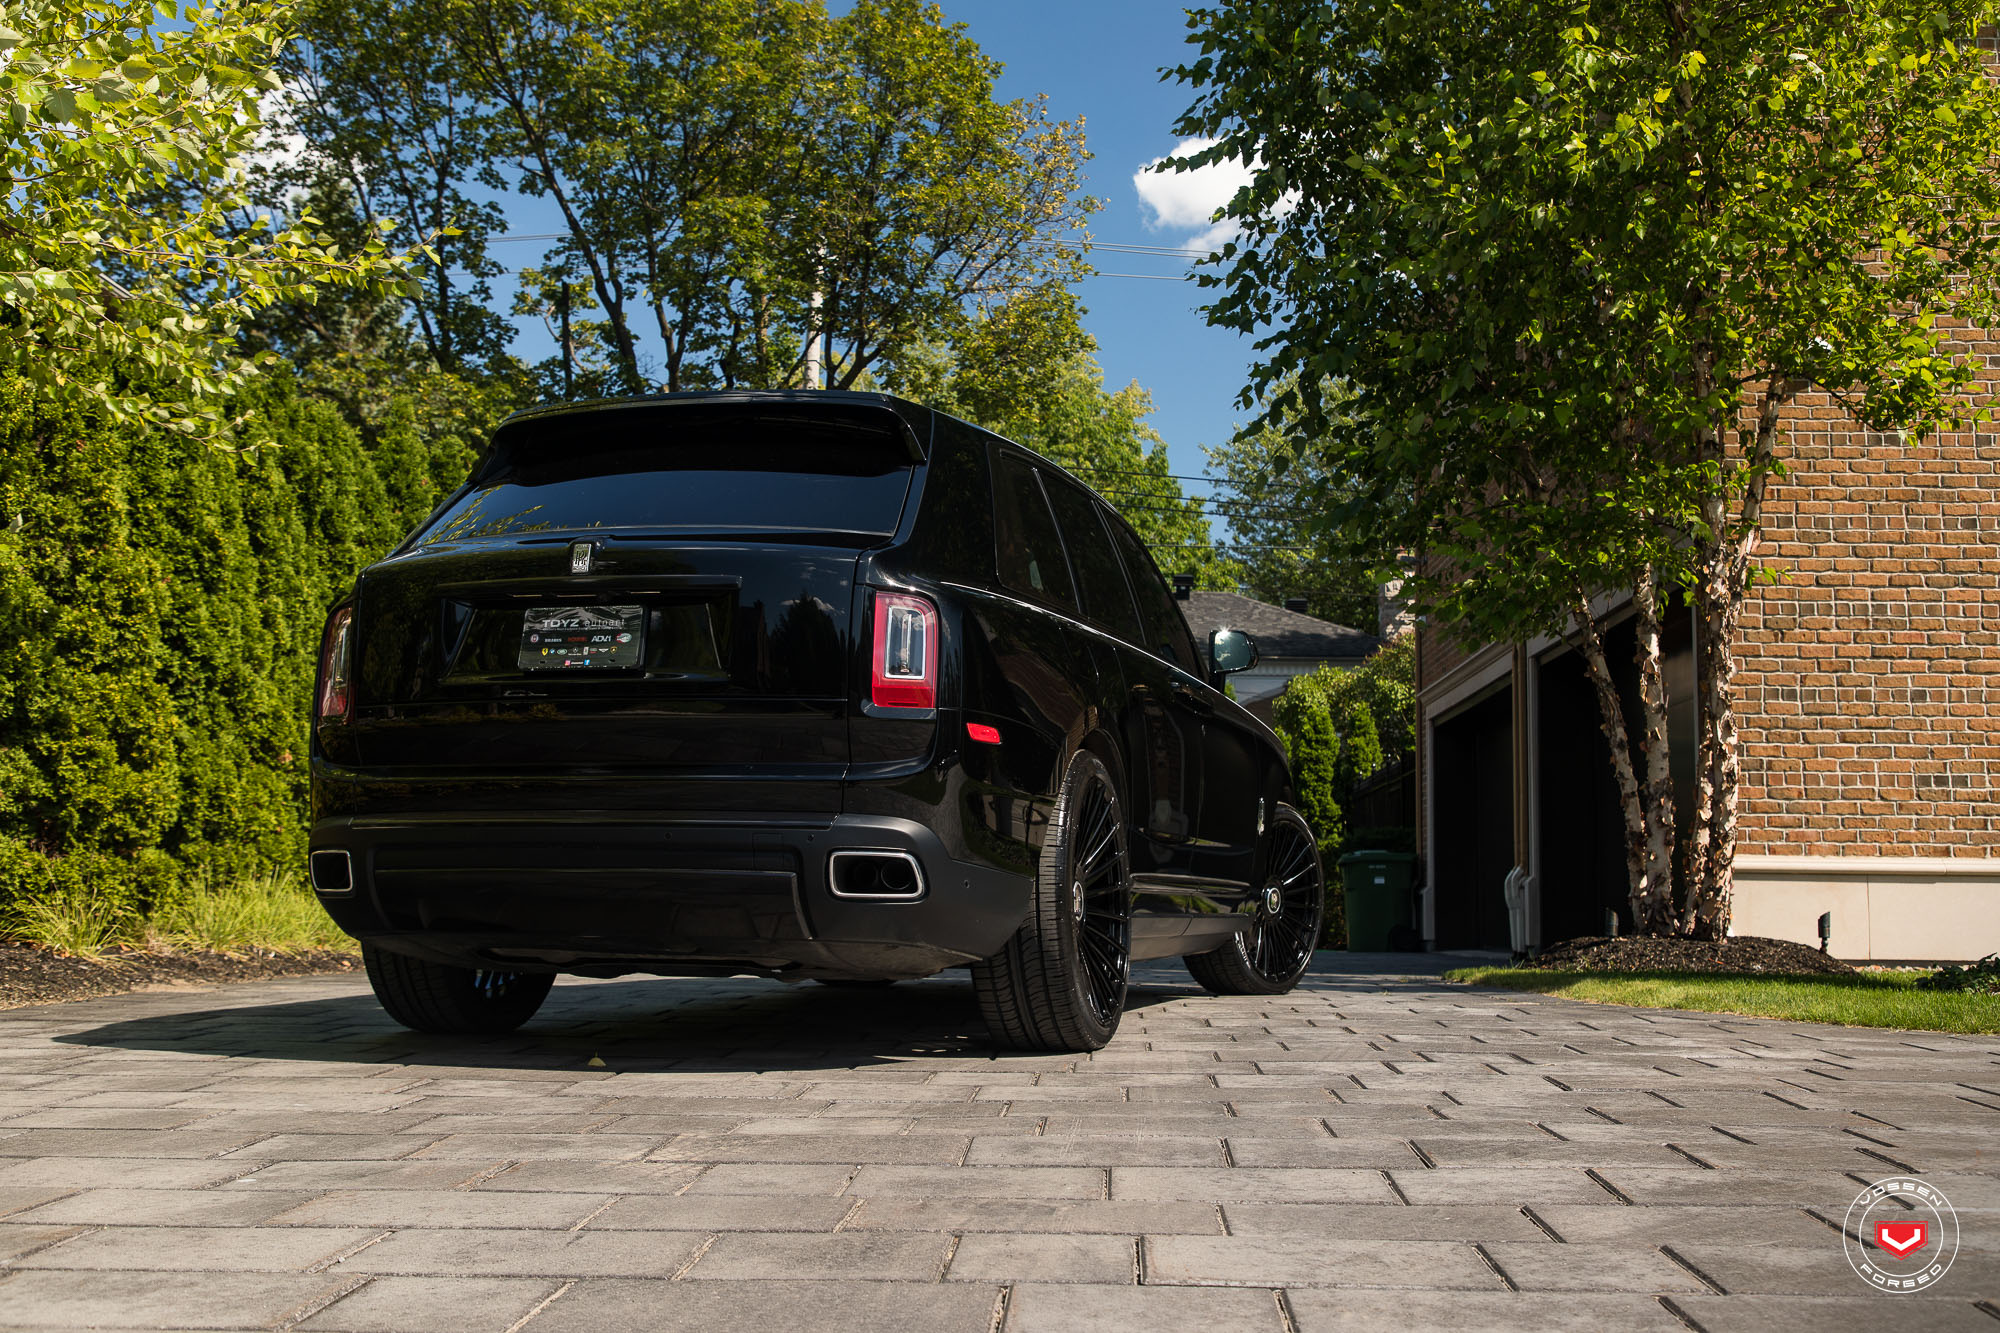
(582, 638)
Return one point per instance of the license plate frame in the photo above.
(582, 640)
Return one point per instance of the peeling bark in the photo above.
(1611, 718)
(1653, 895)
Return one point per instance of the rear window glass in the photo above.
(683, 470)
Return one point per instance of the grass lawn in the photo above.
(1871, 1000)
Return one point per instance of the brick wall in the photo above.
(1870, 690)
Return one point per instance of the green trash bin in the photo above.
(1377, 886)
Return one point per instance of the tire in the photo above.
(436, 997)
(1060, 983)
(1270, 957)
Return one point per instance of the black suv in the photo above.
(808, 685)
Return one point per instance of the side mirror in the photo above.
(1231, 650)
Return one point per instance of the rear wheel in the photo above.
(1269, 957)
(1059, 985)
(436, 997)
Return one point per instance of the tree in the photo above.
(393, 138)
(1574, 263)
(734, 175)
(1277, 484)
(122, 280)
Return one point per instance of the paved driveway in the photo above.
(1373, 1150)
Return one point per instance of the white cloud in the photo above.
(1185, 201)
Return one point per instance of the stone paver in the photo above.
(1376, 1149)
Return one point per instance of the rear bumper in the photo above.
(611, 894)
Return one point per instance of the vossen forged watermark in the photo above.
(1900, 1234)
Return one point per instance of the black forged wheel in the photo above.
(435, 997)
(1269, 958)
(1059, 985)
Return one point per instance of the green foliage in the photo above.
(1279, 485)
(160, 610)
(123, 278)
(375, 91)
(1539, 256)
(1383, 690)
(272, 910)
(1873, 1001)
(1360, 743)
(1982, 976)
(1304, 722)
(729, 174)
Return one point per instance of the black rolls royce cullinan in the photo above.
(808, 685)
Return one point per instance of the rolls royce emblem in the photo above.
(579, 557)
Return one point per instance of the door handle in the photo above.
(1192, 699)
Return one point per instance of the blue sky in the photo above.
(1098, 60)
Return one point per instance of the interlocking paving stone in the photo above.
(1322, 1311)
(1281, 1261)
(442, 1209)
(1045, 1308)
(218, 1249)
(865, 1255)
(536, 1253)
(157, 1207)
(593, 1306)
(43, 1300)
(1790, 1314)
(994, 1256)
(463, 1304)
(1375, 1149)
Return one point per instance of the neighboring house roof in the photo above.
(1279, 633)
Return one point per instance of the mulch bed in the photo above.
(1743, 954)
(40, 976)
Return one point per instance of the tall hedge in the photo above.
(160, 606)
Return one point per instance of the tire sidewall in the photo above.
(1057, 869)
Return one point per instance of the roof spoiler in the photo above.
(913, 422)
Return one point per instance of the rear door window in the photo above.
(1100, 578)
(679, 470)
(1166, 631)
(1029, 548)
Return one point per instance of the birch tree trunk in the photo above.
(1711, 880)
(1647, 807)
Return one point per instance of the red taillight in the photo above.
(336, 693)
(906, 644)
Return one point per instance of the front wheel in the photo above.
(436, 997)
(1270, 957)
(1059, 985)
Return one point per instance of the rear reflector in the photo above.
(906, 643)
(982, 733)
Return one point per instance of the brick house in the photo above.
(1869, 710)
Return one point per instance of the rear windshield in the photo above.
(682, 470)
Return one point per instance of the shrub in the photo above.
(1307, 728)
(1982, 976)
(161, 602)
